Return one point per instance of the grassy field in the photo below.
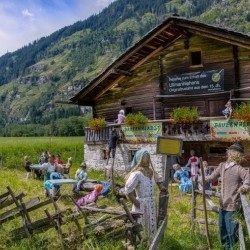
(177, 235)
(12, 150)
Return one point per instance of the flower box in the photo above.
(185, 115)
(97, 123)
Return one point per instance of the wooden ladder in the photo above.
(212, 207)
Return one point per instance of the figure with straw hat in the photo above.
(235, 179)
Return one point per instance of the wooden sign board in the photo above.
(169, 145)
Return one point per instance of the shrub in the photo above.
(185, 115)
(242, 112)
(136, 120)
(97, 123)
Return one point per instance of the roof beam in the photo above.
(122, 72)
(109, 87)
(136, 66)
(217, 35)
(225, 40)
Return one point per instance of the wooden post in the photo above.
(57, 221)
(241, 238)
(130, 217)
(163, 196)
(75, 153)
(204, 204)
(112, 174)
(193, 209)
(154, 109)
(127, 210)
(246, 210)
(22, 212)
(158, 235)
(80, 209)
(57, 225)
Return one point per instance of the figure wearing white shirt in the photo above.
(50, 166)
(193, 163)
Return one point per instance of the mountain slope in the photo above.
(58, 66)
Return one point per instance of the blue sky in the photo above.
(23, 21)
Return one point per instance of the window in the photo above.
(105, 154)
(131, 154)
(217, 150)
(195, 58)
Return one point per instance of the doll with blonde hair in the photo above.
(67, 167)
(141, 179)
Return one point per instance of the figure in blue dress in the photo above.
(181, 177)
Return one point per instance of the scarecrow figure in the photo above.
(142, 179)
(227, 112)
(235, 179)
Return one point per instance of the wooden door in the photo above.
(216, 107)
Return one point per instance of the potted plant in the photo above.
(242, 112)
(97, 123)
(185, 115)
(136, 120)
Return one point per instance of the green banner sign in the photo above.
(223, 130)
(145, 134)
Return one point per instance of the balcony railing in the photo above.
(100, 136)
(188, 132)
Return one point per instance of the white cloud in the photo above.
(29, 20)
(27, 13)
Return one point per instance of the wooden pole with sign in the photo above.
(170, 147)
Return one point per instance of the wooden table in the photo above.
(62, 181)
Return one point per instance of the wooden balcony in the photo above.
(100, 136)
(188, 132)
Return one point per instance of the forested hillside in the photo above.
(58, 66)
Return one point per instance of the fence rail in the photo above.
(246, 210)
(102, 135)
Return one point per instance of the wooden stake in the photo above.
(204, 204)
(86, 220)
(22, 212)
(112, 174)
(57, 221)
(193, 209)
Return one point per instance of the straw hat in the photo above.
(26, 157)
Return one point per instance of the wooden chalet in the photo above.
(179, 63)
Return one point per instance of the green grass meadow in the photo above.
(13, 149)
(177, 236)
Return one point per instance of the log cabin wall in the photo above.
(136, 92)
(244, 72)
(215, 55)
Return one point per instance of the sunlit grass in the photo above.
(177, 236)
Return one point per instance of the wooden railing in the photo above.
(102, 135)
(188, 132)
(246, 211)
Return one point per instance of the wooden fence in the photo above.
(102, 135)
(113, 223)
(212, 207)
